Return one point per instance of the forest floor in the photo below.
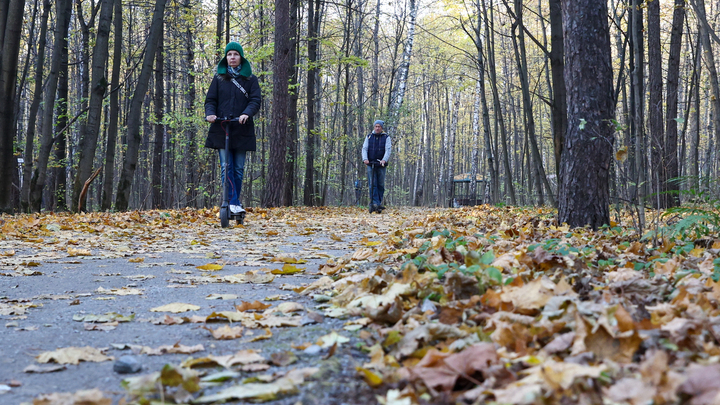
(338, 306)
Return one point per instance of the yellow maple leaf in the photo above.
(211, 267)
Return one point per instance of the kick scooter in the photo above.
(225, 214)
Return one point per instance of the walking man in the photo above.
(375, 155)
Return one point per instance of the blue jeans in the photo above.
(237, 168)
(376, 181)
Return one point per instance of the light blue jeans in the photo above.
(237, 168)
(376, 182)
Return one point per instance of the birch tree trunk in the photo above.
(402, 74)
(419, 186)
(475, 142)
(454, 106)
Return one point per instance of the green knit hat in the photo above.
(245, 68)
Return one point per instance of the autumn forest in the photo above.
(104, 108)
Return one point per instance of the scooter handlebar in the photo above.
(226, 119)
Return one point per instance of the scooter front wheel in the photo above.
(224, 217)
(241, 219)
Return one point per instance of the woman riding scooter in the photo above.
(234, 93)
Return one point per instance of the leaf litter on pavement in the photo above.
(483, 304)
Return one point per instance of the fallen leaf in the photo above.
(72, 252)
(176, 308)
(226, 332)
(283, 359)
(268, 334)
(262, 392)
(259, 277)
(288, 269)
(177, 348)
(73, 355)
(289, 307)
(101, 326)
(331, 339)
(210, 267)
(221, 297)
(46, 368)
(83, 397)
(119, 291)
(254, 306)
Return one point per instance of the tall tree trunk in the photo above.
(399, 91)
(219, 25)
(586, 159)
(521, 58)
(88, 143)
(34, 107)
(191, 179)
(291, 162)
(87, 32)
(639, 111)
(10, 35)
(60, 41)
(375, 94)
(489, 33)
(655, 105)
(670, 188)
(361, 97)
(705, 29)
(455, 108)
(694, 154)
(61, 121)
(475, 144)
(159, 128)
(273, 195)
(424, 148)
(109, 171)
(311, 191)
(122, 200)
(559, 105)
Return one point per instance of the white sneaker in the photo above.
(236, 209)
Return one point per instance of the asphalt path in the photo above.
(60, 277)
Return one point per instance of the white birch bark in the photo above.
(454, 106)
(475, 141)
(399, 92)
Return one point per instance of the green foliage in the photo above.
(698, 219)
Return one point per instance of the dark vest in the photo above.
(376, 146)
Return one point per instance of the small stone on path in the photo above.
(127, 365)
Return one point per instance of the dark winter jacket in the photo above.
(225, 99)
